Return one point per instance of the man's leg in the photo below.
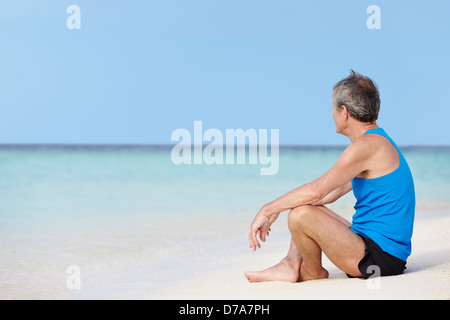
(314, 230)
(286, 270)
(333, 214)
(289, 268)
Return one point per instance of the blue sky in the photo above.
(137, 70)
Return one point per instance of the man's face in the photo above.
(337, 117)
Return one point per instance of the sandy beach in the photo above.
(216, 272)
(427, 275)
(111, 214)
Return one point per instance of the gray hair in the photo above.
(360, 95)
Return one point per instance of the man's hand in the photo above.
(261, 227)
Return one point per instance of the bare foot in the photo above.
(306, 275)
(283, 271)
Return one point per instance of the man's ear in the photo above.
(345, 112)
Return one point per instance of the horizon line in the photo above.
(168, 145)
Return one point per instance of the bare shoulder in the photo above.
(380, 156)
(369, 143)
(376, 143)
(369, 156)
(355, 157)
(363, 148)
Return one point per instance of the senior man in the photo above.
(375, 169)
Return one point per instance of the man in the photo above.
(373, 166)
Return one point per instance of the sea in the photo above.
(114, 221)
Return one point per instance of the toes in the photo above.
(248, 276)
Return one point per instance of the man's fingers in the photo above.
(259, 228)
(253, 240)
(250, 241)
(262, 235)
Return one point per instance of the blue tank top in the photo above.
(385, 207)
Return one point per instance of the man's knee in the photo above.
(299, 216)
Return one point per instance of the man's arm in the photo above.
(334, 195)
(329, 186)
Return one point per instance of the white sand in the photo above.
(427, 275)
(217, 272)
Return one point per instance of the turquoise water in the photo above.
(39, 183)
(101, 207)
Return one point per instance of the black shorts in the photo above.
(376, 262)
